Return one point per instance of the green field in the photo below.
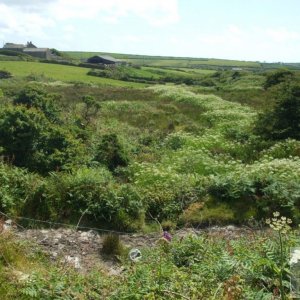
(182, 72)
(57, 72)
(166, 61)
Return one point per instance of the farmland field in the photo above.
(160, 61)
(57, 72)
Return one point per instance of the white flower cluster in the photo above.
(277, 223)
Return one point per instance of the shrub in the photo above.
(34, 95)
(20, 130)
(258, 189)
(283, 121)
(5, 74)
(91, 108)
(111, 153)
(284, 149)
(277, 77)
(112, 245)
(200, 214)
(16, 187)
(90, 190)
(30, 140)
(131, 214)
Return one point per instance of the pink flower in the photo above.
(167, 236)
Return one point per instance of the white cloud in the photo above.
(234, 29)
(31, 19)
(155, 12)
(69, 28)
(247, 43)
(232, 34)
(16, 22)
(131, 38)
(282, 35)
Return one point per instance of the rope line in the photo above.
(62, 224)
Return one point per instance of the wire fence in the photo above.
(72, 226)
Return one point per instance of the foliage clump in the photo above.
(112, 245)
(283, 120)
(34, 96)
(30, 140)
(111, 153)
(277, 77)
(5, 74)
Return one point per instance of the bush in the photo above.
(131, 214)
(112, 245)
(283, 121)
(259, 189)
(16, 187)
(34, 95)
(5, 74)
(277, 77)
(111, 153)
(30, 140)
(84, 190)
(284, 149)
(20, 129)
(200, 214)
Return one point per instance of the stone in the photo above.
(8, 225)
(73, 260)
(230, 227)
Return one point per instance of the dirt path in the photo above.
(82, 249)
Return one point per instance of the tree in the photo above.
(283, 120)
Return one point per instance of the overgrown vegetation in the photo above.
(179, 155)
(208, 266)
(204, 148)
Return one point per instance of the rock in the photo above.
(230, 227)
(61, 246)
(58, 236)
(73, 260)
(8, 225)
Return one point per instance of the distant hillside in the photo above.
(168, 61)
(183, 62)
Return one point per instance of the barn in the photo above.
(43, 53)
(104, 60)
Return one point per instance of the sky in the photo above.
(254, 30)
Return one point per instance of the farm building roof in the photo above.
(107, 57)
(12, 45)
(103, 59)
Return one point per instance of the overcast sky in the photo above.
(263, 30)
